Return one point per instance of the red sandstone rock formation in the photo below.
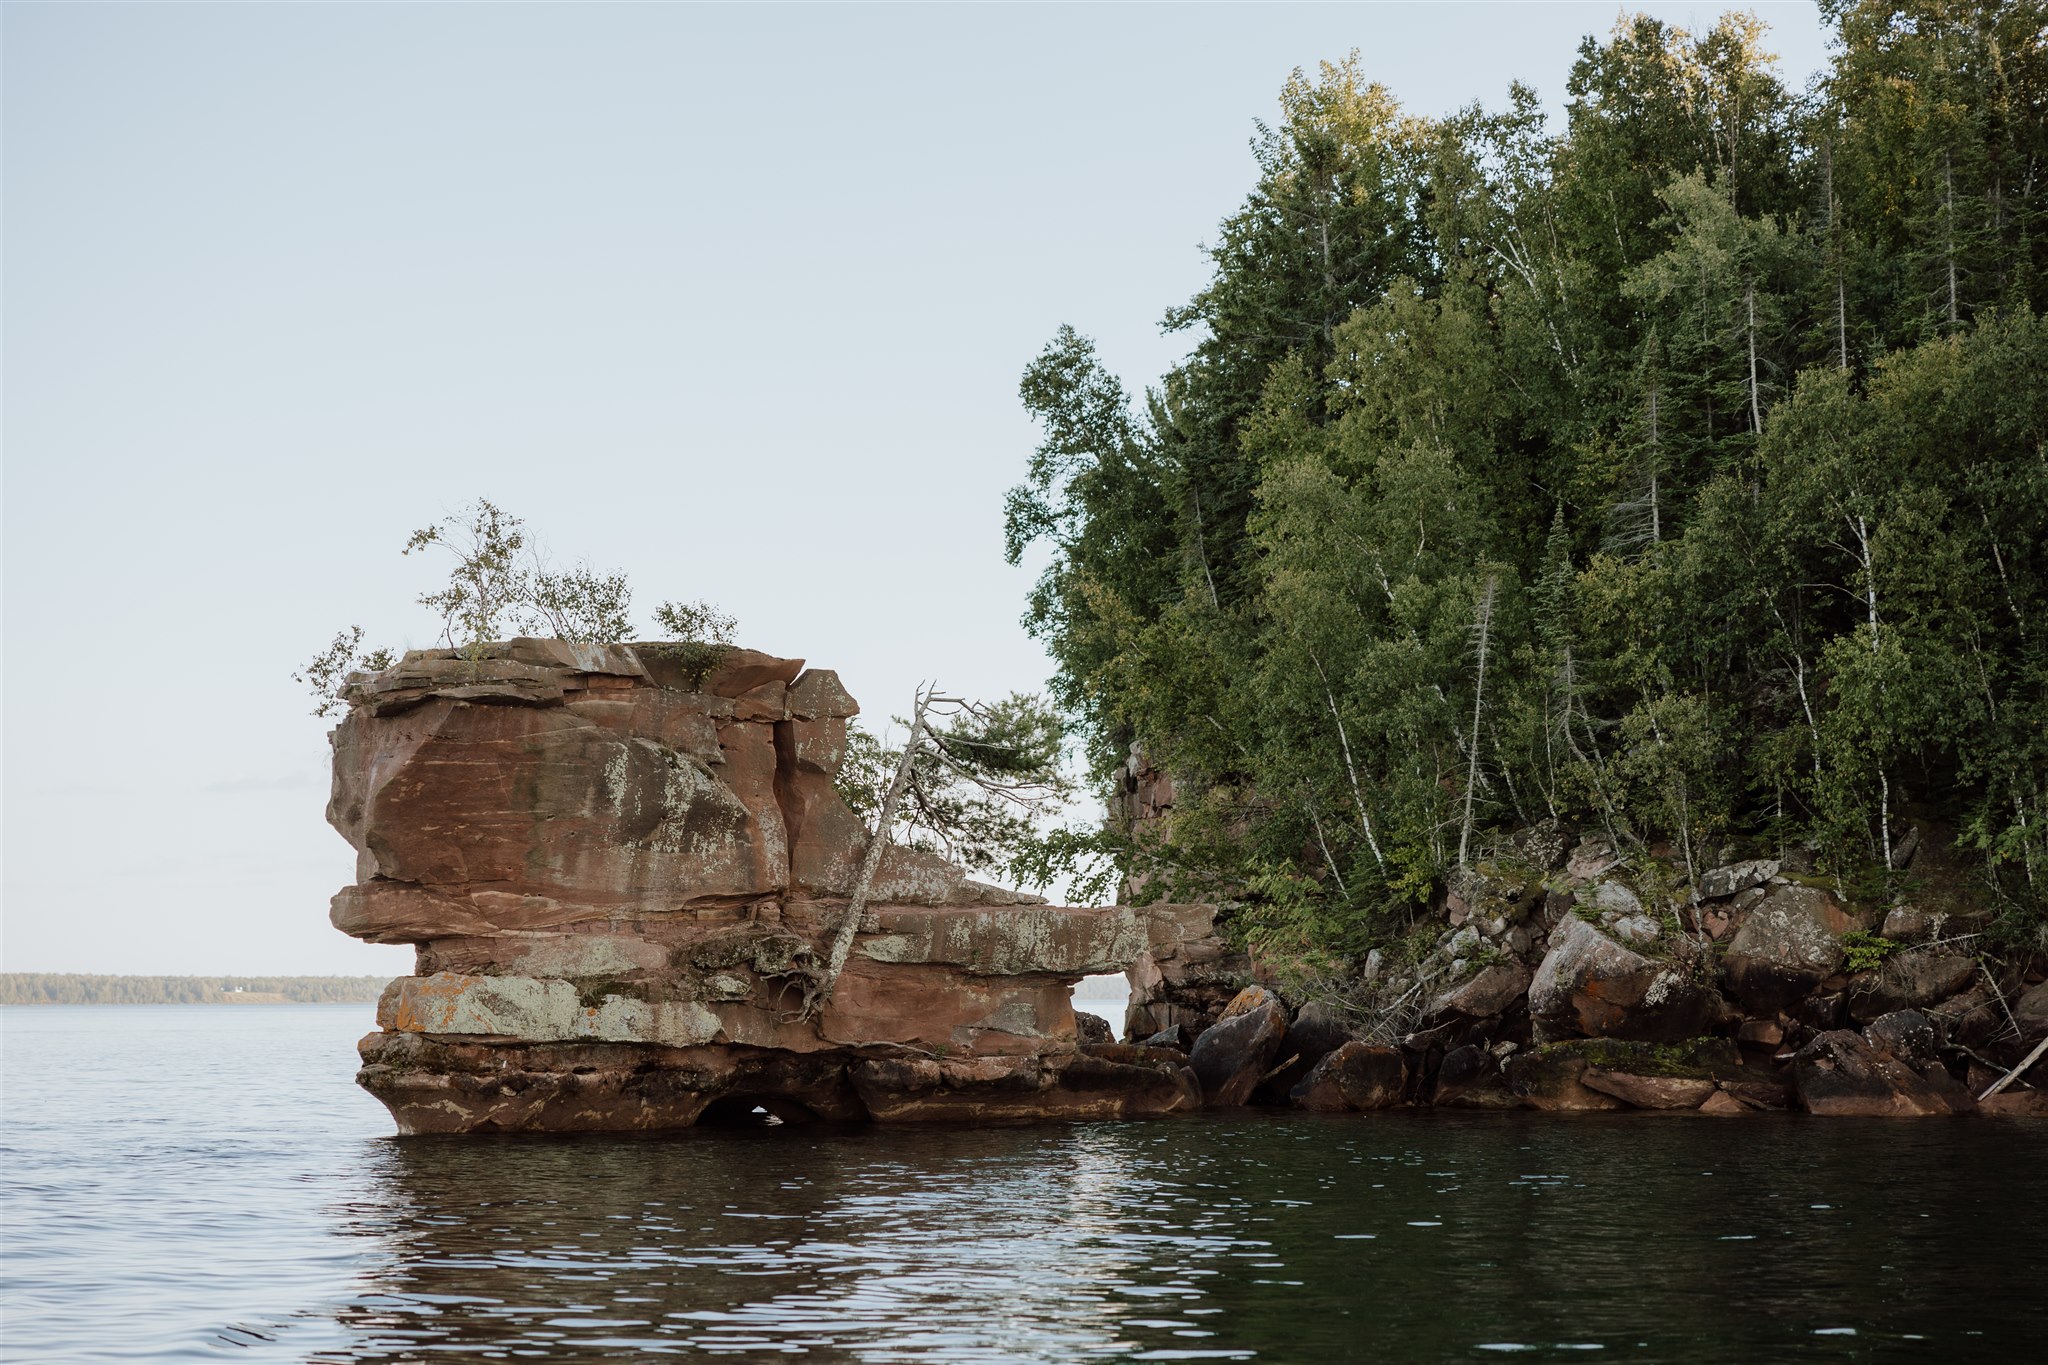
(617, 862)
(1187, 971)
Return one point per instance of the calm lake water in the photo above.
(201, 1182)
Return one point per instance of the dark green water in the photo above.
(280, 1226)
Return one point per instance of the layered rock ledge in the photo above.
(619, 863)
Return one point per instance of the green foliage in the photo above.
(1739, 400)
(501, 584)
(1867, 951)
(578, 604)
(324, 674)
(700, 637)
(695, 623)
(981, 789)
(489, 582)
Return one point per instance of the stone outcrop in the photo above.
(1590, 985)
(1185, 974)
(1909, 980)
(1188, 970)
(622, 865)
(1552, 1078)
(1791, 942)
(1563, 980)
(1846, 1073)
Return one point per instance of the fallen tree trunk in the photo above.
(820, 994)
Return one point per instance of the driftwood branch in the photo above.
(2009, 1077)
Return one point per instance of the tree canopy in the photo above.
(1681, 471)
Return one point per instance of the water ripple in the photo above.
(186, 1183)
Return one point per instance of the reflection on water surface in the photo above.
(285, 1228)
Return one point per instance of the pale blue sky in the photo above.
(732, 299)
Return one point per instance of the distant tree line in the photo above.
(1680, 472)
(76, 988)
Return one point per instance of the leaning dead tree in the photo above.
(971, 782)
(1482, 638)
(878, 842)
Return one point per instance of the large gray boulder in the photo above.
(1470, 1078)
(1317, 1031)
(1845, 1074)
(1791, 942)
(1908, 1035)
(1231, 1057)
(1588, 985)
(1489, 991)
(2031, 1009)
(1354, 1077)
(1548, 1077)
(1909, 981)
(1723, 882)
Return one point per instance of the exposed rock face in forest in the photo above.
(620, 866)
(1188, 970)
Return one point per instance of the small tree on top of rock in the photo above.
(488, 583)
(695, 622)
(979, 776)
(324, 674)
(494, 587)
(502, 584)
(702, 636)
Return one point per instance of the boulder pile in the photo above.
(1556, 977)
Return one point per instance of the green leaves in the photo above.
(1764, 563)
(500, 584)
(490, 583)
(696, 622)
(984, 784)
(326, 672)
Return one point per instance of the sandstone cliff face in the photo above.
(1188, 970)
(619, 864)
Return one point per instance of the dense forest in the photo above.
(1679, 472)
(76, 988)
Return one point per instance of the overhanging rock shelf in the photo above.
(619, 862)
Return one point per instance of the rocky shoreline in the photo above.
(1554, 984)
(622, 867)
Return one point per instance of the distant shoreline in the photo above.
(86, 988)
(89, 988)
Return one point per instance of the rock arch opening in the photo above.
(754, 1111)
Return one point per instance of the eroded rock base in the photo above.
(462, 1085)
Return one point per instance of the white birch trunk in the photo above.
(1485, 630)
(842, 939)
